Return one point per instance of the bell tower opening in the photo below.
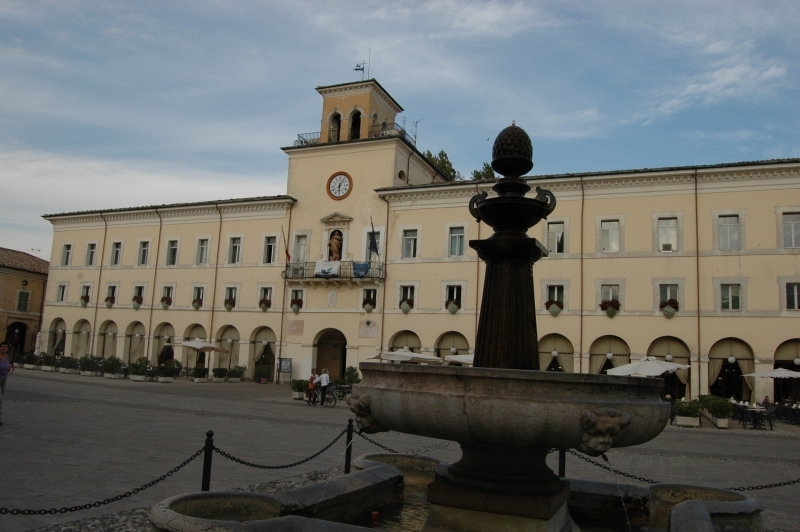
(335, 128)
(355, 126)
(369, 111)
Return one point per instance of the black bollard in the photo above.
(348, 453)
(562, 463)
(209, 450)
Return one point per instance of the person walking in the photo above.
(6, 367)
(324, 382)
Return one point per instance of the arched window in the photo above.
(335, 127)
(402, 176)
(355, 126)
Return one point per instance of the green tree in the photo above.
(485, 172)
(442, 162)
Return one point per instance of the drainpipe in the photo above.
(697, 280)
(149, 332)
(580, 341)
(214, 289)
(279, 350)
(385, 268)
(100, 259)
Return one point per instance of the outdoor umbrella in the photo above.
(408, 356)
(461, 359)
(200, 346)
(779, 373)
(647, 367)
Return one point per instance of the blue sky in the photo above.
(117, 104)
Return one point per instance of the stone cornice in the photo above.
(362, 86)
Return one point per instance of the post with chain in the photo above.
(562, 463)
(348, 453)
(208, 453)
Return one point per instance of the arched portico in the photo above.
(786, 356)
(227, 338)
(107, 339)
(56, 337)
(563, 360)
(330, 352)
(135, 337)
(728, 360)
(81, 339)
(452, 343)
(262, 350)
(164, 334)
(404, 339)
(600, 362)
(671, 349)
(191, 357)
(16, 333)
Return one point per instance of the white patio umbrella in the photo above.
(779, 373)
(407, 355)
(647, 367)
(461, 359)
(200, 346)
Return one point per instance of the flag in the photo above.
(286, 247)
(373, 244)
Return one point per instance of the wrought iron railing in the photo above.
(307, 139)
(348, 271)
(390, 130)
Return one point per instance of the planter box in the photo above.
(138, 378)
(68, 371)
(298, 395)
(113, 375)
(48, 368)
(29, 366)
(235, 379)
(198, 379)
(217, 379)
(720, 423)
(164, 379)
(686, 421)
(89, 373)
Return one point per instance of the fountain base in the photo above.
(446, 518)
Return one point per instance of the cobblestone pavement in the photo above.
(71, 440)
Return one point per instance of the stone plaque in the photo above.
(331, 298)
(294, 327)
(368, 329)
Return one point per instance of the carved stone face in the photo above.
(599, 427)
(360, 406)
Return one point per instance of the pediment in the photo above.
(336, 219)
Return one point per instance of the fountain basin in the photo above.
(489, 406)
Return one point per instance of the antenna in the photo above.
(415, 128)
(360, 67)
(369, 60)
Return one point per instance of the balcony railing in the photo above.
(348, 271)
(307, 139)
(390, 130)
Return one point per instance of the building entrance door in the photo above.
(331, 353)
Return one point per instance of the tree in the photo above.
(485, 172)
(442, 162)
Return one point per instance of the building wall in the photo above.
(12, 282)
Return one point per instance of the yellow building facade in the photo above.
(298, 277)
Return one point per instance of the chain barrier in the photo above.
(259, 466)
(766, 486)
(66, 509)
(373, 442)
(617, 471)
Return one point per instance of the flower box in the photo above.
(113, 375)
(264, 304)
(90, 373)
(138, 378)
(166, 301)
(84, 301)
(298, 395)
(720, 423)
(48, 368)
(217, 379)
(554, 307)
(610, 307)
(197, 303)
(29, 366)
(200, 379)
(164, 379)
(235, 379)
(687, 421)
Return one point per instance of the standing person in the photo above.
(324, 382)
(6, 366)
(311, 386)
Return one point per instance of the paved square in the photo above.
(70, 440)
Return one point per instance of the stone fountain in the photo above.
(505, 415)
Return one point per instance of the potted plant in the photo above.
(197, 303)
(263, 373)
(229, 303)
(219, 374)
(48, 362)
(88, 366)
(452, 305)
(299, 387)
(112, 367)
(200, 374)
(138, 369)
(84, 300)
(166, 301)
(29, 362)
(669, 307)
(368, 304)
(717, 409)
(406, 305)
(110, 300)
(235, 373)
(69, 365)
(610, 307)
(554, 307)
(264, 304)
(136, 302)
(167, 371)
(351, 375)
(296, 305)
(687, 413)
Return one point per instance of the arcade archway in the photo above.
(331, 352)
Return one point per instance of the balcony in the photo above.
(349, 272)
(390, 130)
(307, 139)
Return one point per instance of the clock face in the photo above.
(339, 185)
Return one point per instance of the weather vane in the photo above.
(364, 63)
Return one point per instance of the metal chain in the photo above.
(15, 511)
(259, 466)
(617, 471)
(766, 486)
(373, 442)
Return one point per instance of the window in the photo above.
(166, 292)
(266, 293)
(368, 253)
(371, 294)
(300, 245)
(791, 230)
(730, 297)
(454, 293)
(792, 296)
(297, 298)
(409, 243)
(555, 292)
(609, 231)
(555, 237)
(406, 293)
(91, 249)
(22, 301)
(61, 293)
(235, 250)
(456, 241)
(668, 234)
(230, 295)
(609, 291)
(66, 254)
(86, 291)
(111, 291)
(172, 252)
(116, 253)
(197, 293)
(144, 250)
(138, 291)
(202, 251)
(270, 249)
(729, 232)
(668, 291)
